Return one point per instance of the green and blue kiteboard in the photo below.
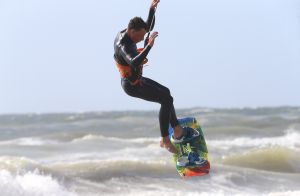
(191, 158)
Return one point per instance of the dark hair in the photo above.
(137, 23)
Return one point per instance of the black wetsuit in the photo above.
(126, 54)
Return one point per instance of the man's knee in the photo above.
(168, 100)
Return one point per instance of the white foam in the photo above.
(28, 141)
(16, 163)
(91, 137)
(30, 184)
(145, 153)
(291, 139)
(286, 193)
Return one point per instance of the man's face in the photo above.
(137, 35)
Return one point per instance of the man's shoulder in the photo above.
(120, 37)
(121, 34)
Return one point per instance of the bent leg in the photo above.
(153, 91)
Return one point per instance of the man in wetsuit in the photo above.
(130, 64)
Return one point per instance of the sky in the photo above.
(57, 55)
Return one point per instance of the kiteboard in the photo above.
(191, 158)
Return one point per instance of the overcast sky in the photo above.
(57, 55)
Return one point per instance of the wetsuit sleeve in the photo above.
(132, 57)
(151, 17)
(150, 24)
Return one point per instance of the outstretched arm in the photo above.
(151, 19)
(151, 16)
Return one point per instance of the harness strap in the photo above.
(126, 70)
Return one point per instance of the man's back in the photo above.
(123, 44)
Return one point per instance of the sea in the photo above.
(252, 151)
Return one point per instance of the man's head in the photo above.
(136, 29)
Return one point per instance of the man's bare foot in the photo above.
(166, 143)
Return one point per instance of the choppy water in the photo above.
(252, 152)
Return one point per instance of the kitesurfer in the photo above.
(130, 60)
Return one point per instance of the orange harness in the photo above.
(126, 70)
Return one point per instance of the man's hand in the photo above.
(154, 4)
(152, 38)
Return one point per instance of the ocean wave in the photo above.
(15, 164)
(29, 141)
(99, 170)
(91, 137)
(291, 139)
(98, 167)
(277, 159)
(132, 177)
(31, 184)
(38, 141)
(284, 193)
(142, 153)
(90, 169)
(193, 192)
